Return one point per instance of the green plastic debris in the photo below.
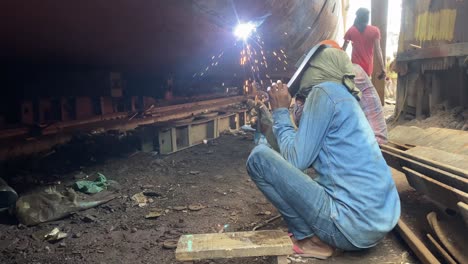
(91, 187)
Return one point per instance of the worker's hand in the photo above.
(279, 96)
(382, 75)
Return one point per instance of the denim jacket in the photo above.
(335, 138)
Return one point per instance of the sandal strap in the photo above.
(297, 249)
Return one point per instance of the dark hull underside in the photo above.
(164, 35)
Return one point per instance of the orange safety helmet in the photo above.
(330, 43)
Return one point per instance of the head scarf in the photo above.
(362, 19)
(330, 65)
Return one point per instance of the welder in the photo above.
(352, 203)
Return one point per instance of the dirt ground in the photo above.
(211, 175)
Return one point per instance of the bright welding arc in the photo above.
(244, 30)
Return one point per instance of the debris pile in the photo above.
(442, 116)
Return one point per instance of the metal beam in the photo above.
(10, 148)
(418, 247)
(436, 166)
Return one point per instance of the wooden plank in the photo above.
(432, 163)
(436, 190)
(456, 144)
(431, 135)
(463, 208)
(406, 134)
(445, 50)
(455, 160)
(450, 140)
(233, 245)
(441, 250)
(416, 245)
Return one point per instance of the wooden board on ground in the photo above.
(432, 137)
(233, 245)
(416, 245)
(450, 140)
(436, 190)
(406, 135)
(456, 142)
(455, 160)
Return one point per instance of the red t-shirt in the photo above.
(363, 46)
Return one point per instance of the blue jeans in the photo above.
(303, 203)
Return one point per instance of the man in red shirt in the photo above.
(365, 38)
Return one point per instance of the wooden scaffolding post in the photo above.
(379, 15)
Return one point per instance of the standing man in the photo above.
(365, 38)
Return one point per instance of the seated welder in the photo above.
(353, 201)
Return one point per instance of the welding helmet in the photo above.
(301, 65)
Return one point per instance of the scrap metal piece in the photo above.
(441, 250)
(8, 196)
(418, 247)
(447, 239)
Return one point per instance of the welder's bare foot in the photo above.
(312, 247)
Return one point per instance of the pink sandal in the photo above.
(318, 255)
(297, 250)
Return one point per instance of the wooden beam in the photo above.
(379, 15)
(420, 84)
(441, 51)
(233, 245)
(416, 245)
